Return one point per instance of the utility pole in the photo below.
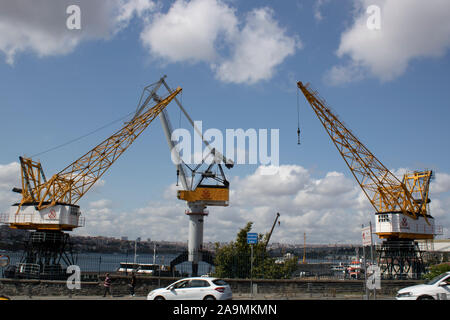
(365, 269)
(251, 270)
(252, 238)
(371, 257)
(304, 247)
(135, 249)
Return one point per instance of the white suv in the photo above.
(436, 289)
(197, 288)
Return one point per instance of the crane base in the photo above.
(400, 259)
(204, 256)
(47, 255)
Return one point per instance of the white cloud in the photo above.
(326, 208)
(318, 9)
(39, 26)
(135, 7)
(102, 203)
(441, 183)
(10, 175)
(410, 29)
(196, 31)
(159, 220)
(329, 208)
(341, 74)
(334, 184)
(189, 31)
(288, 180)
(209, 31)
(259, 48)
(9, 178)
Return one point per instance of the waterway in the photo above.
(110, 262)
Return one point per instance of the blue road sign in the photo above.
(252, 238)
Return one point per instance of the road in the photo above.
(235, 297)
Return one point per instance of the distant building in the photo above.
(439, 245)
(124, 238)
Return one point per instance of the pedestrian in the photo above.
(132, 284)
(107, 285)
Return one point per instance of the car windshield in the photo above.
(220, 282)
(437, 279)
(179, 284)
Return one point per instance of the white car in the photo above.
(436, 289)
(196, 288)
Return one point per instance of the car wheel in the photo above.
(159, 298)
(209, 298)
(425, 298)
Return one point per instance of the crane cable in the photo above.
(83, 136)
(298, 118)
(179, 126)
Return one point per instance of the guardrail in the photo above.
(32, 218)
(4, 218)
(438, 230)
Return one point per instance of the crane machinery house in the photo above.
(395, 223)
(58, 217)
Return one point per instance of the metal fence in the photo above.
(313, 266)
(92, 264)
(99, 264)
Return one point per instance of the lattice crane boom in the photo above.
(384, 190)
(71, 183)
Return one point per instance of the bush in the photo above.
(233, 260)
(437, 270)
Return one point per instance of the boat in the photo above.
(339, 267)
(354, 269)
(153, 269)
(146, 268)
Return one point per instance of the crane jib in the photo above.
(70, 184)
(384, 190)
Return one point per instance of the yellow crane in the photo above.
(402, 214)
(66, 187)
(304, 248)
(203, 184)
(269, 235)
(49, 207)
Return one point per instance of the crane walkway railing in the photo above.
(32, 218)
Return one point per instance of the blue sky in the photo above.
(389, 90)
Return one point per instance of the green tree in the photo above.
(233, 260)
(437, 270)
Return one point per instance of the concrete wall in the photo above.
(15, 287)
